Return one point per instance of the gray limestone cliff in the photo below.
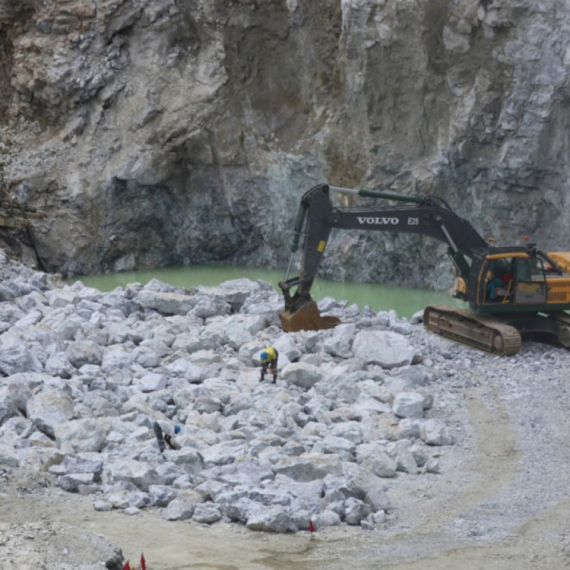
(153, 132)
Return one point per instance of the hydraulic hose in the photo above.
(299, 222)
(385, 195)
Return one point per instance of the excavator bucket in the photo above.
(306, 318)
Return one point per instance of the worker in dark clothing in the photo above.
(268, 358)
(499, 286)
(165, 433)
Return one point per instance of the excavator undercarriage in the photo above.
(467, 327)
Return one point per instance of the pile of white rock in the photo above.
(86, 373)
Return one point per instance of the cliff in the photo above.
(154, 132)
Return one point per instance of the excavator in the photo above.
(512, 292)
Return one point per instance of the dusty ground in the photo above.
(485, 511)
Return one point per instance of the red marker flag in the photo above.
(143, 562)
(127, 566)
(311, 526)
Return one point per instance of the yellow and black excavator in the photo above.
(511, 291)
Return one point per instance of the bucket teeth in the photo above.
(306, 318)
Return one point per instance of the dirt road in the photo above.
(444, 523)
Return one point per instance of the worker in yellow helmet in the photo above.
(268, 358)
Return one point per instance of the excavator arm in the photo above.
(424, 215)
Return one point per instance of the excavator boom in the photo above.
(427, 216)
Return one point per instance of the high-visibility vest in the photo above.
(271, 355)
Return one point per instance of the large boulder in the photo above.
(409, 405)
(82, 435)
(166, 303)
(49, 410)
(385, 348)
(301, 374)
(139, 473)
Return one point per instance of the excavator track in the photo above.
(563, 320)
(478, 331)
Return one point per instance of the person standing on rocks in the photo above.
(165, 433)
(268, 358)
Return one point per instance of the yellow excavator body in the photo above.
(562, 258)
(511, 290)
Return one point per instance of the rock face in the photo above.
(184, 131)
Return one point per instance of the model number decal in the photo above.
(413, 221)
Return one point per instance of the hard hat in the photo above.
(264, 356)
(177, 429)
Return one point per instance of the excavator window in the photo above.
(499, 280)
(519, 280)
(530, 284)
(537, 268)
(523, 270)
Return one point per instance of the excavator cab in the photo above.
(499, 272)
(511, 279)
(530, 287)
